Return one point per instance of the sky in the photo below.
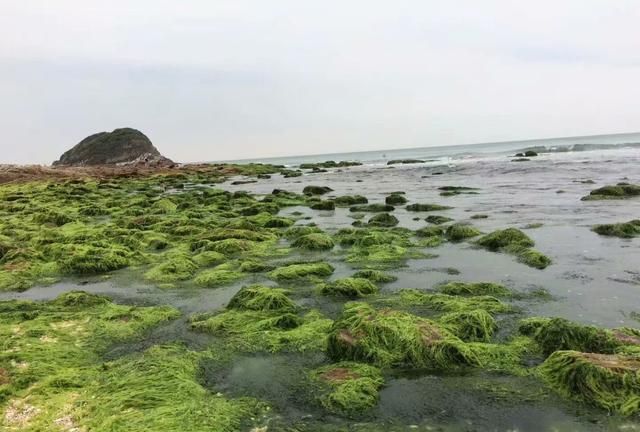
(214, 80)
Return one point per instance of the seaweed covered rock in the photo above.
(375, 276)
(173, 269)
(430, 231)
(611, 382)
(619, 191)
(348, 387)
(476, 325)
(474, 289)
(216, 277)
(316, 190)
(395, 199)
(426, 207)
(437, 219)
(352, 287)
(503, 238)
(298, 271)
(350, 200)
(372, 208)
(623, 230)
(556, 334)
(85, 260)
(120, 146)
(404, 161)
(389, 337)
(314, 241)
(323, 205)
(460, 231)
(262, 298)
(383, 220)
(515, 242)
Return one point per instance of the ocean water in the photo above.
(468, 151)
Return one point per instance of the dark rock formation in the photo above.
(124, 146)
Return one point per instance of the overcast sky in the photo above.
(213, 80)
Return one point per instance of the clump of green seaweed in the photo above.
(515, 242)
(623, 230)
(618, 191)
(352, 287)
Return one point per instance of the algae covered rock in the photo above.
(350, 200)
(390, 337)
(124, 145)
(314, 241)
(316, 190)
(383, 220)
(323, 205)
(503, 238)
(349, 287)
(623, 230)
(375, 276)
(426, 207)
(373, 208)
(262, 298)
(437, 219)
(348, 387)
(619, 191)
(611, 382)
(395, 199)
(297, 271)
(459, 232)
(216, 277)
(476, 325)
(474, 289)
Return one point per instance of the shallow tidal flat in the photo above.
(486, 295)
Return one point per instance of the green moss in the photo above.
(394, 338)
(348, 387)
(262, 298)
(217, 277)
(349, 287)
(459, 232)
(619, 191)
(426, 207)
(437, 219)
(623, 230)
(383, 220)
(472, 326)
(610, 382)
(555, 334)
(376, 276)
(314, 241)
(475, 289)
(293, 272)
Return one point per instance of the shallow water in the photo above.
(593, 279)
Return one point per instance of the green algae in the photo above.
(372, 208)
(262, 298)
(623, 230)
(607, 381)
(556, 334)
(460, 232)
(351, 287)
(209, 258)
(618, 191)
(376, 276)
(426, 207)
(216, 277)
(300, 230)
(348, 387)
(316, 190)
(383, 220)
(388, 338)
(437, 219)
(294, 272)
(471, 326)
(395, 199)
(475, 289)
(350, 200)
(323, 205)
(314, 241)
(515, 242)
(176, 268)
(449, 303)
(385, 255)
(430, 231)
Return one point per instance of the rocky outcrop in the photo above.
(124, 146)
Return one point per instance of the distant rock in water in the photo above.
(124, 146)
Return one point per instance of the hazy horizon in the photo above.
(235, 80)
